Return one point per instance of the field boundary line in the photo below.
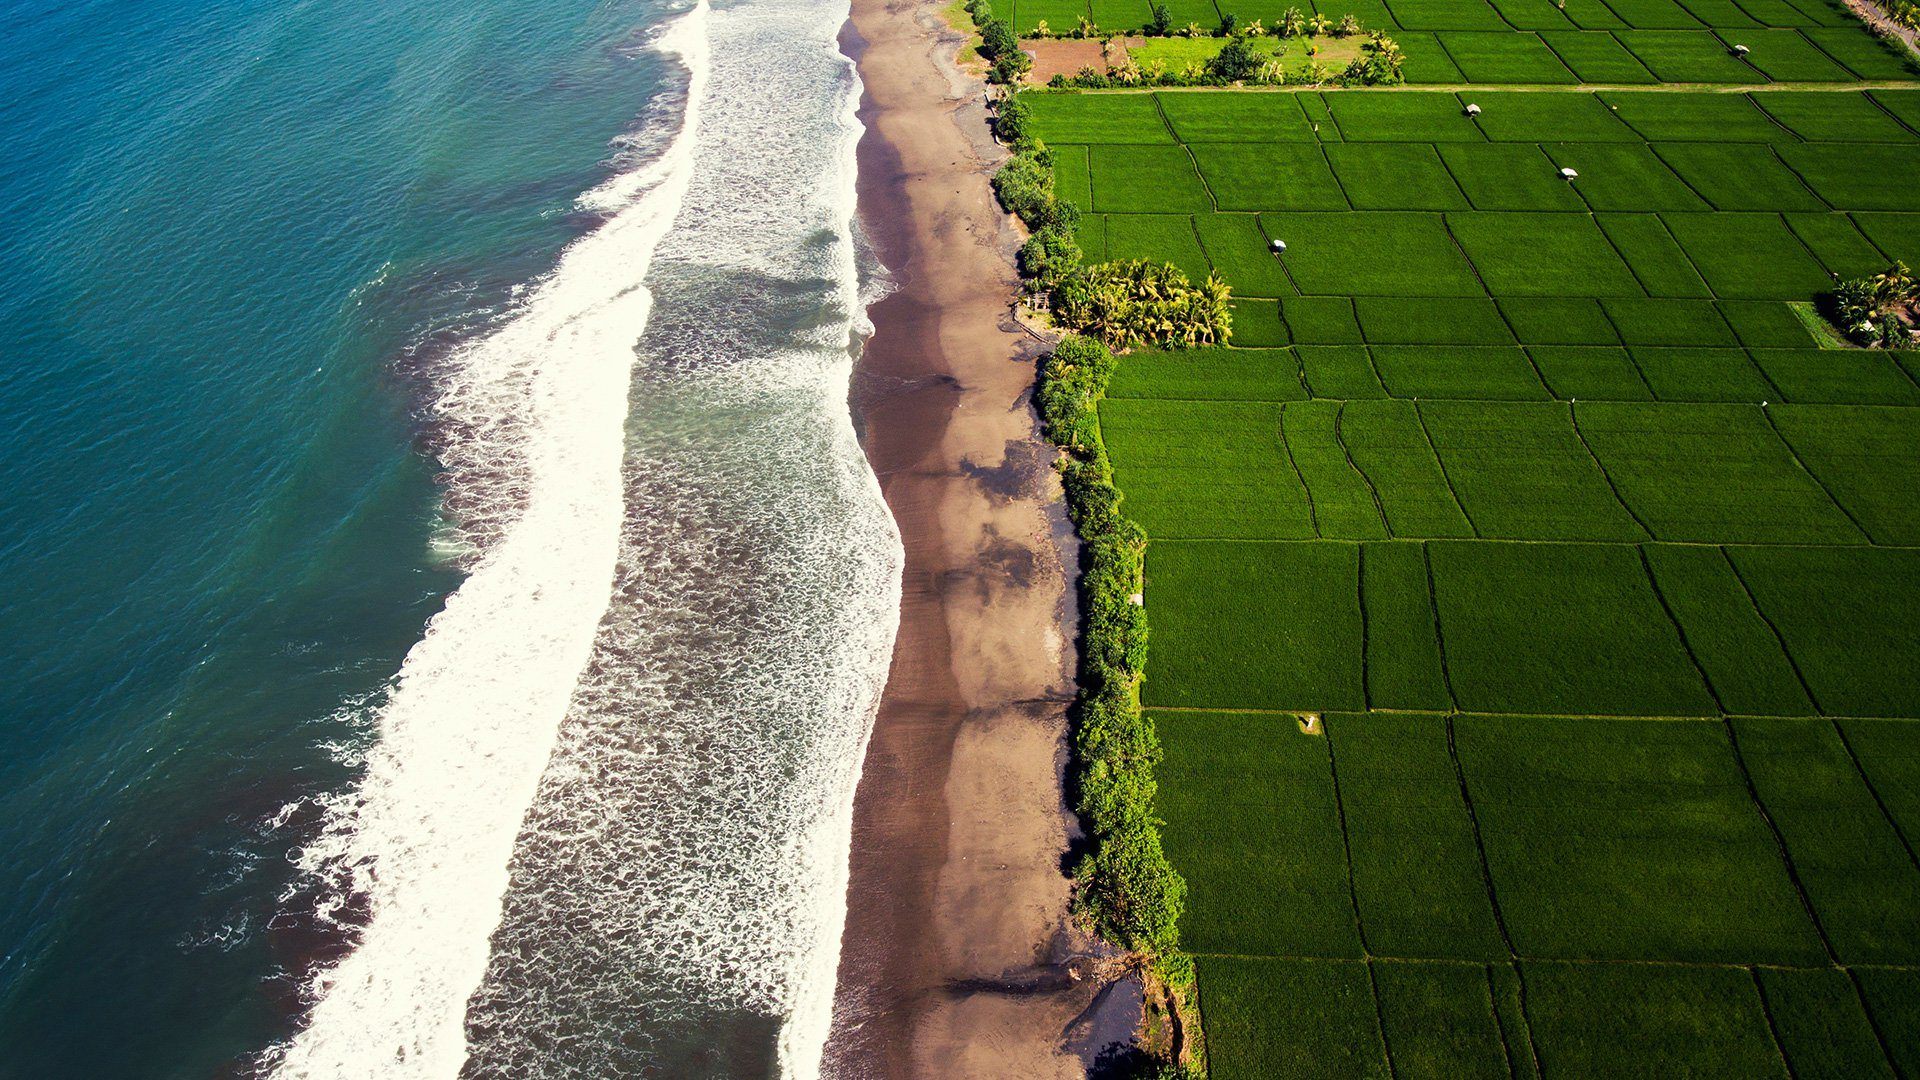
(1442, 463)
(1499, 1025)
(1335, 173)
(1207, 186)
(1764, 377)
(1372, 490)
(1779, 842)
(1479, 844)
(1889, 114)
(1573, 420)
(1262, 226)
(1380, 1021)
(1439, 636)
(1873, 790)
(1286, 447)
(1346, 846)
(1831, 209)
(1773, 1029)
(1360, 588)
(1811, 475)
(1873, 1022)
(1686, 646)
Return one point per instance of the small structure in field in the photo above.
(1473, 110)
(1278, 247)
(1568, 174)
(1741, 50)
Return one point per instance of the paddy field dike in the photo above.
(1534, 582)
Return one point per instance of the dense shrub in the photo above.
(1161, 24)
(1235, 61)
(1876, 311)
(1140, 303)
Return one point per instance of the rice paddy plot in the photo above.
(1622, 177)
(1484, 372)
(1146, 180)
(1710, 474)
(1446, 15)
(1343, 502)
(1236, 118)
(1654, 14)
(1521, 472)
(1748, 256)
(1255, 626)
(1251, 823)
(1394, 176)
(1836, 377)
(1159, 238)
(1416, 868)
(1240, 255)
(1786, 56)
(1740, 655)
(1508, 176)
(1825, 116)
(1390, 445)
(1446, 320)
(1670, 117)
(1410, 254)
(1840, 246)
(1597, 57)
(1855, 176)
(1612, 839)
(1216, 374)
(1850, 618)
(1739, 176)
(1869, 459)
(1530, 254)
(1687, 56)
(1560, 628)
(1589, 373)
(1558, 320)
(1408, 116)
(1204, 468)
(1304, 1019)
(1506, 57)
(1651, 252)
(1281, 176)
(1703, 374)
(1631, 1021)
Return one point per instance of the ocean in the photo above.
(444, 600)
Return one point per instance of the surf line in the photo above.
(426, 836)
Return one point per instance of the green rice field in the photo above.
(1601, 572)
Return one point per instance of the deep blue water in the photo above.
(236, 232)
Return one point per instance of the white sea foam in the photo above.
(536, 412)
(679, 886)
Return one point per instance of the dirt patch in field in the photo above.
(1065, 56)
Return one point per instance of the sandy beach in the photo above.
(959, 957)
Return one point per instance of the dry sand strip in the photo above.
(959, 957)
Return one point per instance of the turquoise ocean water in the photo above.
(443, 601)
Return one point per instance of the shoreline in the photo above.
(959, 957)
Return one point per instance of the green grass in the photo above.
(1250, 176)
(1398, 320)
(1559, 628)
(1629, 840)
(1390, 447)
(1632, 1021)
(1146, 180)
(1252, 826)
(1741, 656)
(1416, 869)
(1394, 176)
(1403, 653)
(1294, 1018)
(1204, 468)
(1209, 375)
(1712, 474)
(1521, 254)
(1866, 458)
(1270, 626)
(1844, 612)
(1822, 1030)
(1521, 472)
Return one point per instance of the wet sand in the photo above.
(959, 958)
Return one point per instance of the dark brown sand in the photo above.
(959, 957)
